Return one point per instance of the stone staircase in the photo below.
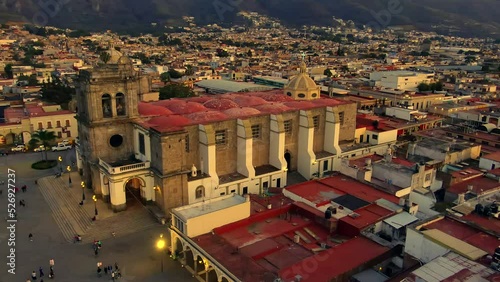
(69, 215)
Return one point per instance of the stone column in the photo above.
(332, 132)
(245, 149)
(306, 161)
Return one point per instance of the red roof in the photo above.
(207, 116)
(220, 104)
(367, 216)
(357, 189)
(241, 112)
(315, 192)
(335, 261)
(479, 185)
(147, 109)
(273, 108)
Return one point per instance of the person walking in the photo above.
(30, 237)
(33, 275)
(99, 271)
(113, 276)
(51, 272)
(40, 270)
(23, 188)
(106, 270)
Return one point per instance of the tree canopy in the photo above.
(58, 92)
(42, 137)
(8, 71)
(175, 90)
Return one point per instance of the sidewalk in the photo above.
(72, 218)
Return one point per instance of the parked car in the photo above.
(61, 147)
(67, 142)
(19, 148)
(4, 153)
(40, 148)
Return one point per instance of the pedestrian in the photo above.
(106, 270)
(51, 273)
(51, 263)
(96, 252)
(110, 268)
(23, 188)
(41, 272)
(30, 237)
(33, 275)
(116, 266)
(113, 275)
(99, 272)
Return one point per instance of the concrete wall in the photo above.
(488, 164)
(422, 248)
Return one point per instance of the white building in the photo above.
(403, 80)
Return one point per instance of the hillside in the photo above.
(463, 17)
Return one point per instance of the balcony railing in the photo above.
(122, 169)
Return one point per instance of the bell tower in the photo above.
(107, 107)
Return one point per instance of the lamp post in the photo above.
(83, 191)
(95, 204)
(68, 168)
(160, 245)
(60, 159)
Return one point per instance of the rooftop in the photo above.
(174, 114)
(209, 206)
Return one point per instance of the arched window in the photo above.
(106, 106)
(120, 104)
(200, 192)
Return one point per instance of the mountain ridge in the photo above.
(466, 17)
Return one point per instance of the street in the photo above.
(135, 253)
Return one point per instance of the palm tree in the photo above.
(43, 137)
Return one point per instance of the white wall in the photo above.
(422, 248)
(488, 164)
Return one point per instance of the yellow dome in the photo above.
(301, 81)
(124, 60)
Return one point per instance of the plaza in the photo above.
(53, 215)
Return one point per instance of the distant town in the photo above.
(252, 153)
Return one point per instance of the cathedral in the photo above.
(177, 152)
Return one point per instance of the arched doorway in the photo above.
(10, 138)
(212, 276)
(133, 191)
(189, 261)
(200, 267)
(288, 158)
(224, 279)
(179, 253)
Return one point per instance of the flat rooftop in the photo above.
(209, 206)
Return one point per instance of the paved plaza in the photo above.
(53, 215)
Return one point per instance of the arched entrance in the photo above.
(212, 276)
(200, 267)
(133, 191)
(224, 279)
(178, 253)
(10, 138)
(188, 254)
(288, 158)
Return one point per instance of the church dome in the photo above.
(301, 86)
(124, 60)
(114, 56)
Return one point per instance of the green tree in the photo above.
(165, 77)
(8, 71)
(175, 90)
(30, 80)
(189, 70)
(43, 137)
(249, 53)
(174, 74)
(105, 57)
(422, 87)
(57, 92)
(328, 72)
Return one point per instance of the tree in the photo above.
(485, 68)
(189, 70)
(328, 72)
(57, 92)
(165, 77)
(30, 80)
(175, 90)
(422, 87)
(8, 71)
(105, 57)
(43, 137)
(174, 74)
(344, 69)
(249, 53)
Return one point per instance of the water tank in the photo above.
(296, 239)
(328, 214)
(494, 208)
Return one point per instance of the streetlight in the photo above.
(68, 168)
(94, 197)
(160, 245)
(83, 191)
(60, 159)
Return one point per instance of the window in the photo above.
(59, 134)
(179, 224)
(288, 127)
(49, 124)
(67, 123)
(374, 137)
(428, 177)
(301, 95)
(200, 192)
(341, 118)
(58, 123)
(40, 126)
(68, 133)
(120, 104)
(142, 144)
(106, 106)
(220, 137)
(316, 122)
(289, 93)
(485, 143)
(256, 134)
(186, 145)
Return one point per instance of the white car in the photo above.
(41, 148)
(65, 142)
(61, 147)
(19, 148)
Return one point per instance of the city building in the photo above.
(401, 80)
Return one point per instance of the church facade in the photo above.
(182, 151)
